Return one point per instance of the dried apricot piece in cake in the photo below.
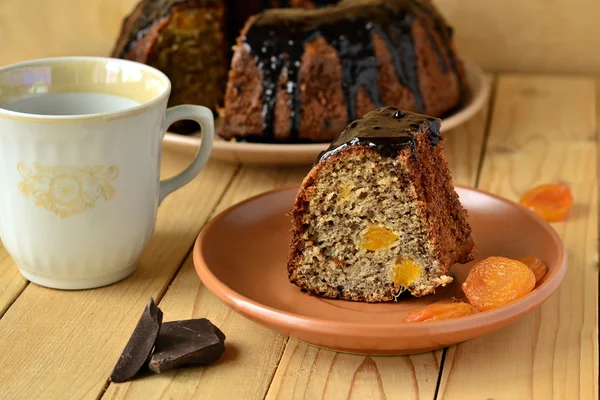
(550, 201)
(439, 311)
(344, 193)
(406, 271)
(377, 238)
(497, 281)
(537, 266)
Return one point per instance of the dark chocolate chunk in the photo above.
(185, 343)
(140, 345)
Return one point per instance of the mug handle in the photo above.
(204, 117)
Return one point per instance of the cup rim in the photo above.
(101, 116)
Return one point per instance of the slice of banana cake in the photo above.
(378, 213)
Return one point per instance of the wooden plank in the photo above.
(247, 367)
(12, 282)
(63, 344)
(309, 372)
(543, 130)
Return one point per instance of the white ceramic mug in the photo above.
(80, 141)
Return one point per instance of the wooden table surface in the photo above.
(535, 129)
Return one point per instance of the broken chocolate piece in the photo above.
(140, 345)
(185, 343)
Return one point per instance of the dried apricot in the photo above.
(536, 265)
(439, 311)
(344, 194)
(406, 271)
(377, 238)
(550, 201)
(497, 281)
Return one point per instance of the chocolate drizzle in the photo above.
(396, 129)
(351, 39)
(398, 38)
(445, 33)
(278, 49)
(277, 38)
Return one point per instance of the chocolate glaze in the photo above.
(351, 39)
(445, 32)
(387, 130)
(276, 39)
(279, 50)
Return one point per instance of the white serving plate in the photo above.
(273, 153)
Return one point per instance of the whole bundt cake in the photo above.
(378, 214)
(301, 75)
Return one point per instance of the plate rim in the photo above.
(274, 317)
(465, 113)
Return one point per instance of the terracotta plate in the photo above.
(264, 153)
(241, 257)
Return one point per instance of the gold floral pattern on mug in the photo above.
(66, 190)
